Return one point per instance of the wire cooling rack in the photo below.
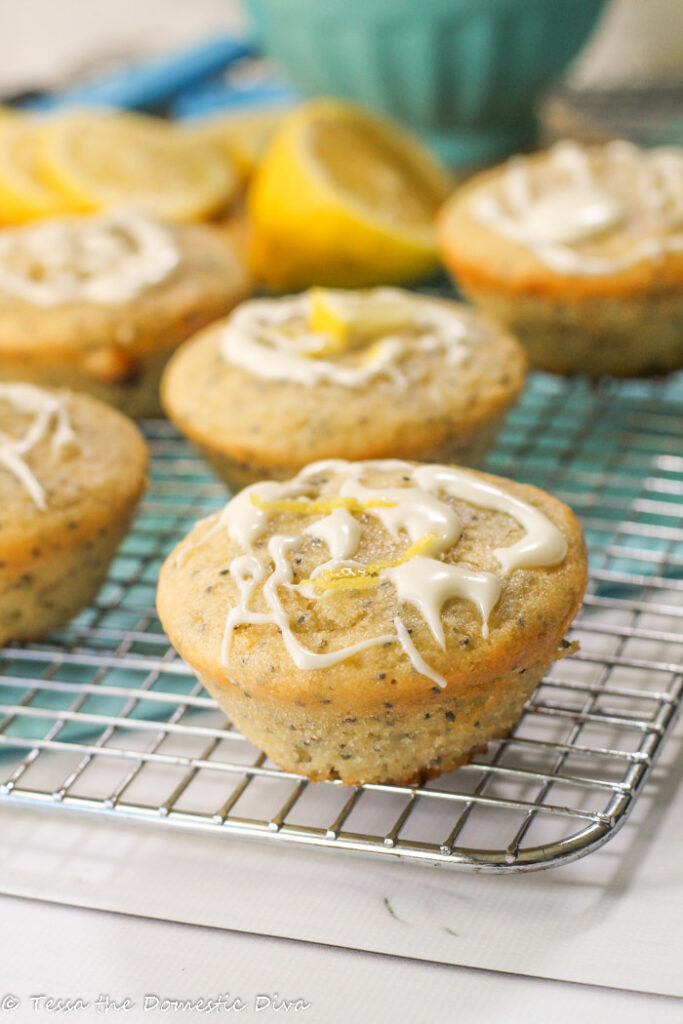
(103, 716)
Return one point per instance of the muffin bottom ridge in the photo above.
(461, 451)
(620, 337)
(395, 745)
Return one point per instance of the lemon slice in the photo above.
(24, 193)
(344, 198)
(352, 318)
(105, 160)
(242, 138)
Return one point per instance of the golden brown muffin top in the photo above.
(67, 464)
(373, 575)
(265, 385)
(591, 218)
(70, 285)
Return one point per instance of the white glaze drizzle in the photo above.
(46, 409)
(340, 532)
(424, 581)
(270, 338)
(246, 577)
(414, 656)
(427, 584)
(637, 194)
(103, 260)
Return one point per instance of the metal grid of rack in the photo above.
(103, 716)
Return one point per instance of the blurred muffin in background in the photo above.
(99, 304)
(333, 374)
(579, 252)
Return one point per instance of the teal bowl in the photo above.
(464, 74)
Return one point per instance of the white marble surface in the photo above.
(615, 918)
(67, 952)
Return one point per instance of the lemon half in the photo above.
(344, 198)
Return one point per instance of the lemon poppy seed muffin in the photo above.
(326, 374)
(71, 472)
(375, 621)
(98, 304)
(579, 252)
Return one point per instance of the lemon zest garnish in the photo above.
(351, 578)
(333, 347)
(351, 320)
(371, 354)
(326, 318)
(323, 506)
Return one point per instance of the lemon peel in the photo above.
(327, 349)
(349, 577)
(352, 319)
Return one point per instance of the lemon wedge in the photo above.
(242, 138)
(106, 160)
(343, 198)
(24, 193)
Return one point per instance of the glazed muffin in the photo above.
(71, 473)
(326, 374)
(375, 621)
(579, 252)
(98, 304)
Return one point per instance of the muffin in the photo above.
(98, 304)
(579, 252)
(71, 473)
(375, 621)
(326, 374)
